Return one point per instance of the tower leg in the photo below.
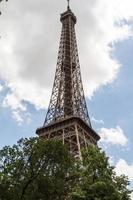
(78, 143)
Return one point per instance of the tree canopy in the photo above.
(98, 180)
(38, 170)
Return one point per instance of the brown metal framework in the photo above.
(67, 116)
(67, 95)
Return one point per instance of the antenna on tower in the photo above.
(68, 5)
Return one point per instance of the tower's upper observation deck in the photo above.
(67, 14)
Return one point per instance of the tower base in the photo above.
(73, 132)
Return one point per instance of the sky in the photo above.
(30, 33)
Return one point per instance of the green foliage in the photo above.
(44, 170)
(98, 180)
(34, 169)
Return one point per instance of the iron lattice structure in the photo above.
(67, 96)
(67, 116)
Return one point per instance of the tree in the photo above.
(98, 180)
(34, 169)
(44, 170)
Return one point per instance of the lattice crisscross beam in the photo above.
(67, 95)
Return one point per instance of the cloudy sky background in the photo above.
(30, 33)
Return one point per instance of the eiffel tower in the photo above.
(67, 117)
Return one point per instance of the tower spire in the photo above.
(68, 4)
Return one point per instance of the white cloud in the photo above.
(111, 160)
(30, 35)
(1, 88)
(14, 102)
(16, 115)
(21, 117)
(113, 136)
(97, 121)
(122, 167)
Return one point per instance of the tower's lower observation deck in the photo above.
(73, 131)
